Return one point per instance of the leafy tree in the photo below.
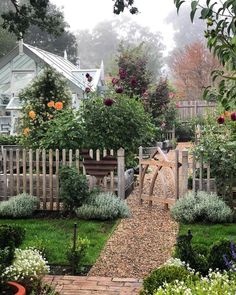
(35, 36)
(42, 100)
(221, 40)
(20, 16)
(134, 77)
(121, 122)
(120, 5)
(192, 67)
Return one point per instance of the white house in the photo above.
(23, 64)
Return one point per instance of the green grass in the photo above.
(56, 235)
(208, 234)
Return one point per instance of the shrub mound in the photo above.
(162, 275)
(103, 206)
(204, 207)
(22, 205)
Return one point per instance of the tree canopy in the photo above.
(22, 14)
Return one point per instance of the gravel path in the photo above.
(142, 242)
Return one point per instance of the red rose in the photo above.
(87, 89)
(114, 81)
(122, 74)
(233, 116)
(133, 81)
(87, 75)
(119, 89)
(221, 120)
(108, 102)
(90, 79)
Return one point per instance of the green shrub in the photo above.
(203, 207)
(9, 140)
(217, 250)
(11, 235)
(165, 274)
(196, 258)
(214, 283)
(73, 188)
(75, 256)
(19, 206)
(103, 206)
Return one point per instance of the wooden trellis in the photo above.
(158, 160)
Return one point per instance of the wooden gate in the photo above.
(159, 161)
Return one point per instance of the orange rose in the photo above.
(58, 105)
(26, 131)
(50, 104)
(227, 114)
(32, 115)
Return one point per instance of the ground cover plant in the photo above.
(57, 234)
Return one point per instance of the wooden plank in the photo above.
(201, 173)
(5, 173)
(112, 185)
(31, 171)
(70, 157)
(121, 173)
(11, 182)
(24, 170)
(77, 160)
(208, 177)
(177, 174)
(57, 179)
(51, 178)
(140, 174)
(161, 163)
(91, 153)
(63, 157)
(44, 179)
(194, 174)
(17, 171)
(37, 173)
(105, 178)
(184, 176)
(97, 155)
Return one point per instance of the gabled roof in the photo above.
(60, 64)
(71, 72)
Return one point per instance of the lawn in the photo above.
(56, 235)
(208, 234)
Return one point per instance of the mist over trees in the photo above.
(103, 41)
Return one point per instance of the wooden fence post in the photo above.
(121, 173)
(177, 174)
(5, 172)
(184, 176)
(140, 173)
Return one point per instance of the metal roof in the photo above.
(60, 64)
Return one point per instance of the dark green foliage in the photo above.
(73, 188)
(11, 235)
(123, 124)
(20, 17)
(216, 253)
(120, 5)
(10, 238)
(64, 132)
(192, 256)
(75, 255)
(9, 140)
(49, 86)
(164, 274)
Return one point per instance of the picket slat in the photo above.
(44, 179)
(51, 178)
(24, 170)
(17, 171)
(31, 171)
(57, 179)
(11, 172)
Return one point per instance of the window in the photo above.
(20, 80)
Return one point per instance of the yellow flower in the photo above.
(32, 115)
(26, 131)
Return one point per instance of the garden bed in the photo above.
(55, 236)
